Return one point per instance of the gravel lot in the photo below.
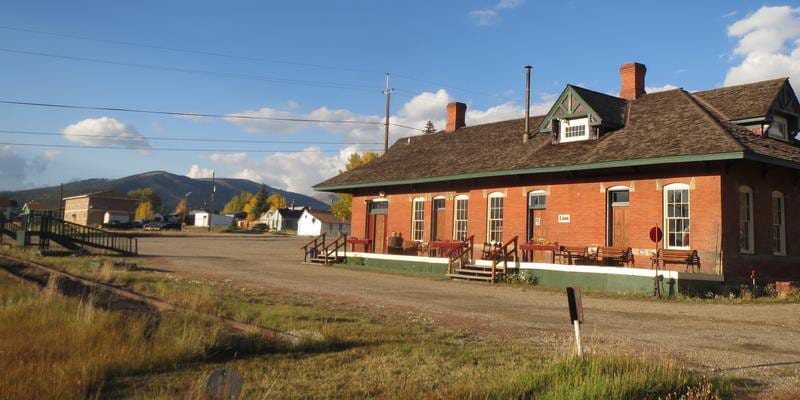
(757, 341)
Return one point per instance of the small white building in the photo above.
(315, 223)
(282, 219)
(203, 218)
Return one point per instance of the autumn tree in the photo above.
(147, 195)
(275, 200)
(257, 205)
(237, 203)
(344, 206)
(144, 211)
(181, 207)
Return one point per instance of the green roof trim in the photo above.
(736, 155)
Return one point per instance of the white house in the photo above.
(203, 218)
(314, 223)
(281, 219)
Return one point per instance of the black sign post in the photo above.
(576, 314)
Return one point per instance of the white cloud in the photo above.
(230, 158)
(509, 4)
(197, 172)
(654, 89)
(769, 44)
(484, 17)
(730, 14)
(51, 154)
(105, 131)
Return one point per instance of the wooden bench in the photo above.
(689, 258)
(614, 255)
(573, 253)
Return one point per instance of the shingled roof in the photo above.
(664, 127)
(744, 101)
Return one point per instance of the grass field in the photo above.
(56, 347)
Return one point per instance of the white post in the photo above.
(577, 326)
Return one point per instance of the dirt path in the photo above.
(760, 341)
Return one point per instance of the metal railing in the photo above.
(50, 228)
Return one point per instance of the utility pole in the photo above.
(388, 92)
(211, 207)
(527, 134)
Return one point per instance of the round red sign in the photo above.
(656, 235)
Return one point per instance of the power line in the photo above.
(186, 139)
(191, 51)
(185, 114)
(324, 84)
(178, 149)
(250, 58)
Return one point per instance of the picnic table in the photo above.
(353, 241)
(528, 250)
(443, 248)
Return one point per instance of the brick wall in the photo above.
(763, 181)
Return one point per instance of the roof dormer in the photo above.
(581, 114)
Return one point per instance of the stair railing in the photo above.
(46, 225)
(340, 242)
(458, 254)
(313, 247)
(502, 255)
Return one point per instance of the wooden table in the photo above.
(354, 241)
(529, 248)
(447, 247)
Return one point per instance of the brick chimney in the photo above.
(632, 77)
(455, 116)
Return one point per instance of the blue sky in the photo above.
(470, 51)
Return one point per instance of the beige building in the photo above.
(91, 209)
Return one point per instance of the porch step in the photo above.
(470, 277)
(323, 260)
(476, 271)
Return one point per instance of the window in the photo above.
(495, 234)
(746, 239)
(778, 128)
(379, 207)
(573, 130)
(460, 217)
(778, 224)
(619, 196)
(676, 213)
(537, 200)
(418, 219)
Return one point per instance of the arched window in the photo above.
(495, 217)
(418, 219)
(746, 234)
(460, 217)
(537, 200)
(676, 216)
(778, 224)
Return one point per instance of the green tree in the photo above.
(344, 206)
(237, 203)
(147, 195)
(429, 128)
(258, 204)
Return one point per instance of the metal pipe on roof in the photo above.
(527, 134)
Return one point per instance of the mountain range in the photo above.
(170, 187)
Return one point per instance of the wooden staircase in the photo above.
(318, 251)
(461, 264)
(74, 237)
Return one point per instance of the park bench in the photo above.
(689, 258)
(570, 254)
(614, 256)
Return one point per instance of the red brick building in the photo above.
(718, 171)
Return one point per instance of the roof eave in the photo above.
(542, 170)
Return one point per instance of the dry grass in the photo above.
(353, 353)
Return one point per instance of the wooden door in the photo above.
(440, 225)
(379, 238)
(536, 222)
(619, 230)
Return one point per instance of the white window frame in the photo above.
(460, 217)
(746, 222)
(779, 224)
(537, 193)
(493, 217)
(418, 219)
(575, 122)
(667, 231)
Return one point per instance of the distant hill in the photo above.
(170, 187)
